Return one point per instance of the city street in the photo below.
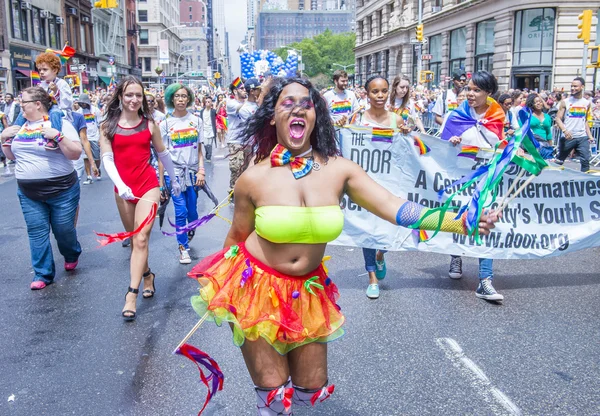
(427, 346)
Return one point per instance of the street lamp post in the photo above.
(177, 64)
(158, 45)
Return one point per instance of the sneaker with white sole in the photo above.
(455, 271)
(88, 181)
(373, 291)
(486, 290)
(184, 256)
(380, 269)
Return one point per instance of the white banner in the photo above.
(163, 51)
(558, 212)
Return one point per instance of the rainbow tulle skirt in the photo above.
(287, 311)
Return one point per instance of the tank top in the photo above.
(576, 116)
(369, 123)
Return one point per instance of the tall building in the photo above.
(159, 23)
(78, 31)
(193, 14)
(111, 45)
(525, 45)
(218, 32)
(133, 30)
(277, 28)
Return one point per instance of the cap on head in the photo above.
(456, 76)
(251, 84)
(84, 99)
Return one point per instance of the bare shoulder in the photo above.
(254, 174)
(340, 164)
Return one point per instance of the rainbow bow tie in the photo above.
(281, 156)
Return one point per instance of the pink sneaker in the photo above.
(71, 266)
(37, 285)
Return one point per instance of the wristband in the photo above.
(58, 138)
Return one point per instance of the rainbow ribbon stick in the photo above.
(200, 221)
(486, 179)
(214, 381)
(113, 238)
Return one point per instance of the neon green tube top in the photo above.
(299, 225)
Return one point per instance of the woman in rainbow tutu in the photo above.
(269, 282)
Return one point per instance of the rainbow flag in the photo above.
(341, 107)
(89, 118)
(469, 152)
(382, 135)
(461, 120)
(236, 82)
(65, 54)
(184, 137)
(29, 135)
(35, 78)
(423, 148)
(212, 84)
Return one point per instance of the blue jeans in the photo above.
(370, 256)
(55, 114)
(485, 268)
(185, 208)
(58, 214)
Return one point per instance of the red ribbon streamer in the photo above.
(322, 394)
(286, 398)
(113, 238)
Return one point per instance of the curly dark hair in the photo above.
(260, 137)
(113, 110)
(530, 102)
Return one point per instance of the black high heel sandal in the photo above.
(149, 292)
(130, 314)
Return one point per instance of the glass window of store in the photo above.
(458, 49)
(369, 70)
(36, 26)
(16, 21)
(435, 50)
(534, 37)
(378, 63)
(484, 49)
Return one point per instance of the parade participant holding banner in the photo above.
(482, 107)
(341, 102)
(269, 282)
(403, 105)
(377, 89)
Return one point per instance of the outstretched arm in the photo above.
(375, 198)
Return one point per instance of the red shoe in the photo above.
(71, 266)
(37, 285)
(51, 145)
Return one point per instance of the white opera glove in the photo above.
(165, 159)
(124, 191)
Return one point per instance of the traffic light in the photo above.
(585, 26)
(595, 61)
(106, 4)
(419, 32)
(425, 76)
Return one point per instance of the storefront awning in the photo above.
(25, 72)
(106, 80)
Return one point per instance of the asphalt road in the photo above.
(427, 346)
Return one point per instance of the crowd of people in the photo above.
(268, 280)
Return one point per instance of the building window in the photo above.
(534, 37)
(83, 43)
(377, 69)
(458, 49)
(386, 64)
(190, 9)
(359, 77)
(147, 64)
(435, 65)
(144, 37)
(484, 48)
(369, 70)
(16, 21)
(54, 39)
(142, 15)
(36, 26)
(24, 31)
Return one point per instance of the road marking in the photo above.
(479, 380)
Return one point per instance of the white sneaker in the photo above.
(184, 256)
(88, 181)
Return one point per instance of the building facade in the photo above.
(277, 28)
(194, 49)
(78, 32)
(525, 44)
(159, 25)
(32, 27)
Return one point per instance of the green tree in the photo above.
(321, 52)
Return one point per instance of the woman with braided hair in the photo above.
(269, 281)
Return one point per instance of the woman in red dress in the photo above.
(126, 134)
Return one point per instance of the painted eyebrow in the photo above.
(291, 97)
